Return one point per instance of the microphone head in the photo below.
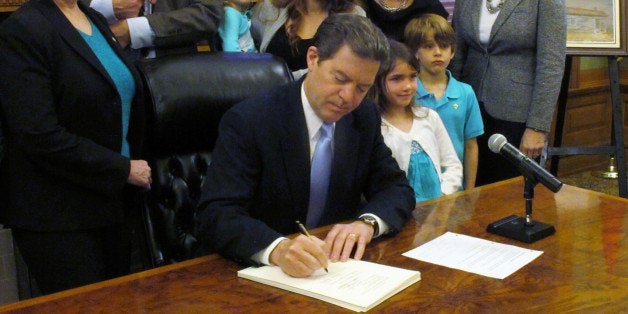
(496, 142)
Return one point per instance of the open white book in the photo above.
(355, 285)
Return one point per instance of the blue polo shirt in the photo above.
(459, 110)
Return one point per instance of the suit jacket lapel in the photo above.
(295, 148)
(72, 37)
(504, 13)
(346, 143)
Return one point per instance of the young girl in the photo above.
(416, 135)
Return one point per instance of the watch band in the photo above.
(371, 221)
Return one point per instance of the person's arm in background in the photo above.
(551, 32)
(229, 30)
(178, 21)
(114, 10)
(173, 22)
(473, 127)
(117, 12)
(470, 162)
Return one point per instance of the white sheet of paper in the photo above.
(474, 255)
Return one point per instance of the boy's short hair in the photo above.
(419, 29)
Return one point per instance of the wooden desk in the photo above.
(584, 267)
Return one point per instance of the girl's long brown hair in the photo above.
(298, 8)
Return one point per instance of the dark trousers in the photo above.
(67, 259)
(493, 167)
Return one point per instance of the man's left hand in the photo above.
(342, 238)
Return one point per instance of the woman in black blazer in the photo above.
(73, 122)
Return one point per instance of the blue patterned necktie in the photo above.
(319, 175)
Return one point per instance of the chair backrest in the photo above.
(189, 94)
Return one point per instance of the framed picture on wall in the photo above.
(597, 27)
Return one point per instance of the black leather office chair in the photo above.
(189, 94)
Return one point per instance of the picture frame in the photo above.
(597, 27)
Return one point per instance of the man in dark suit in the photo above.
(258, 183)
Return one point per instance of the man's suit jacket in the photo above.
(258, 182)
(185, 22)
(62, 119)
(518, 74)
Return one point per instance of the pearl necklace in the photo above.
(384, 6)
(494, 9)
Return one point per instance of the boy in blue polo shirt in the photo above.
(433, 40)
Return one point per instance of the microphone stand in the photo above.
(523, 229)
(528, 195)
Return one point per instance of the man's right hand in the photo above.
(124, 9)
(299, 257)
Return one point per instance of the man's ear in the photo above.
(312, 58)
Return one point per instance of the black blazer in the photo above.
(62, 120)
(258, 182)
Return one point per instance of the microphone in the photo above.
(528, 167)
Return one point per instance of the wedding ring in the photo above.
(353, 235)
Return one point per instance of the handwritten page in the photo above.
(356, 285)
(474, 255)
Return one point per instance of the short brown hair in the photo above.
(419, 29)
(357, 32)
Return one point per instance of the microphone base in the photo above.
(515, 227)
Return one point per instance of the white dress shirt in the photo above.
(142, 35)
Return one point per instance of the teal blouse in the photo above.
(120, 75)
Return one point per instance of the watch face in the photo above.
(369, 220)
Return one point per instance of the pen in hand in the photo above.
(307, 234)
